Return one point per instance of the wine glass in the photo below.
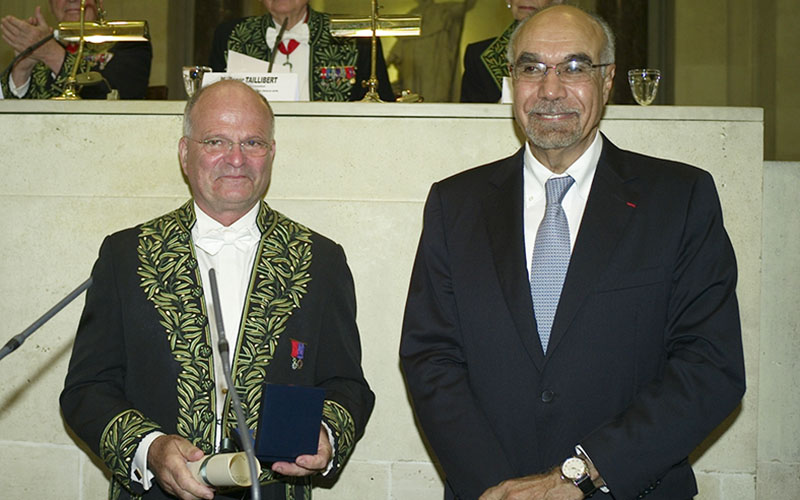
(193, 78)
(644, 84)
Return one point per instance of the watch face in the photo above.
(574, 468)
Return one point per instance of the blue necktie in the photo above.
(550, 257)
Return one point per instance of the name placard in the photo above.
(273, 86)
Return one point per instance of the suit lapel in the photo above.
(278, 282)
(612, 201)
(503, 208)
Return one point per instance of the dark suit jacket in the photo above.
(477, 83)
(329, 56)
(142, 356)
(645, 354)
(485, 65)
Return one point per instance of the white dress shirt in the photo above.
(299, 60)
(232, 262)
(534, 177)
(18, 91)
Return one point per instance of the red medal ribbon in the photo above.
(284, 49)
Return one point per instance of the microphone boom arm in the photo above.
(247, 443)
(18, 339)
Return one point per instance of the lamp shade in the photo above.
(386, 26)
(111, 31)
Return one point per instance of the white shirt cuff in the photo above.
(582, 453)
(18, 91)
(333, 448)
(139, 471)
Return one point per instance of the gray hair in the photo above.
(607, 53)
(187, 111)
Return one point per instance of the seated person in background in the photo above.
(328, 68)
(42, 74)
(485, 62)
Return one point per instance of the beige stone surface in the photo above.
(415, 480)
(24, 468)
(779, 399)
(712, 485)
(359, 480)
(777, 481)
(358, 174)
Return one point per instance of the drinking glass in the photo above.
(644, 84)
(193, 78)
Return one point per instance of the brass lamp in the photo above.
(101, 31)
(375, 26)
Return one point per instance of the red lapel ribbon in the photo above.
(284, 49)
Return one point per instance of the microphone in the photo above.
(255, 485)
(277, 42)
(18, 339)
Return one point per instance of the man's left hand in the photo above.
(548, 486)
(305, 465)
(22, 33)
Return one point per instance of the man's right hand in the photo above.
(21, 34)
(167, 459)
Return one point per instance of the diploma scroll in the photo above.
(223, 469)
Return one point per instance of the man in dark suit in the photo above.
(571, 322)
(145, 389)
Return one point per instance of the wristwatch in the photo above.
(577, 470)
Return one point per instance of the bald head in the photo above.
(557, 17)
(235, 89)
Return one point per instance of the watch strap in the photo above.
(586, 485)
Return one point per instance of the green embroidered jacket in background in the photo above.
(249, 38)
(494, 57)
(45, 85)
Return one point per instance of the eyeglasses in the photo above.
(219, 145)
(572, 71)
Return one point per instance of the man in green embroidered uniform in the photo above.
(43, 74)
(328, 68)
(145, 389)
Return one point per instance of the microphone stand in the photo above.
(255, 484)
(278, 41)
(18, 339)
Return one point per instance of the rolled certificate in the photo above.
(223, 469)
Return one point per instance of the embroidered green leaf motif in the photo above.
(44, 86)
(494, 57)
(248, 37)
(278, 284)
(119, 441)
(168, 275)
(343, 428)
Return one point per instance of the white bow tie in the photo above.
(299, 32)
(213, 241)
